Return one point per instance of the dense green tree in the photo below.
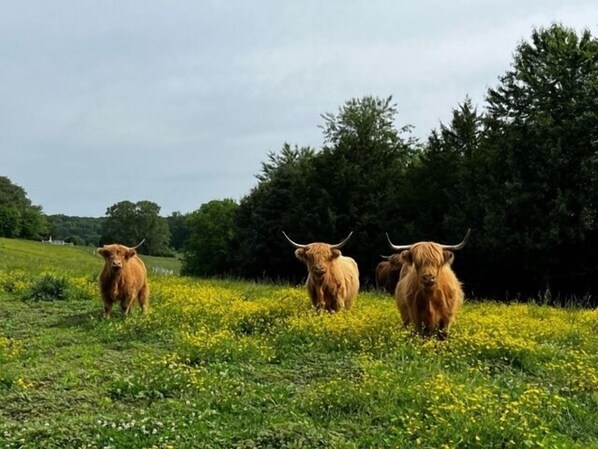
(208, 250)
(444, 180)
(361, 174)
(18, 217)
(523, 175)
(10, 222)
(542, 142)
(446, 187)
(351, 185)
(153, 228)
(78, 230)
(128, 223)
(178, 224)
(283, 199)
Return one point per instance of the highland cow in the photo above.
(123, 278)
(428, 293)
(387, 273)
(333, 279)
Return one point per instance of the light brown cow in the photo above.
(387, 273)
(333, 279)
(123, 278)
(428, 293)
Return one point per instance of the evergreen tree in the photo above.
(283, 199)
(353, 184)
(542, 138)
(361, 173)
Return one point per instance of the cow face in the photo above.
(317, 257)
(395, 261)
(427, 259)
(115, 256)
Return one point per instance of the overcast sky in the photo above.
(178, 102)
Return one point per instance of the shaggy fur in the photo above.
(123, 279)
(333, 279)
(387, 273)
(430, 306)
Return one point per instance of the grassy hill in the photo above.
(36, 256)
(221, 364)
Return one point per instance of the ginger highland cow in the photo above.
(123, 278)
(333, 279)
(428, 293)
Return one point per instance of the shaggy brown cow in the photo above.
(428, 294)
(333, 279)
(123, 278)
(387, 273)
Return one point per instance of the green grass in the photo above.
(221, 364)
(34, 257)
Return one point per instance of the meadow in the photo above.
(230, 364)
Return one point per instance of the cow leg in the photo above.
(442, 331)
(321, 300)
(143, 297)
(403, 310)
(126, 304)
(107, 309)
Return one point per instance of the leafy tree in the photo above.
(18, 217)
(208, 250)
(154, 228)
(542, 142)
(361, 173)
(446, 188)
(443, 181)
(128, 223)
(353, 184)
(78, 230)
(283, 199)
(178, 225)
(10, 222)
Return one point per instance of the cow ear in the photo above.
(448, 257)
(395, 261)
(130, 253)
(335, 253)
(406, 257)
(102, 252)
(300, 253)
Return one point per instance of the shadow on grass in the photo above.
(86, 319)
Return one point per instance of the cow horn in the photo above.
(458, 246)
(384, 257)
(341, 244)
(138, 245)
(296, 245)
(397, 247)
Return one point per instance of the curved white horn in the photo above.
(138, 245)
(459, 245)
(296, 245)
(343, 243)
(397, 247)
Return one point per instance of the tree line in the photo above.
(522, 173)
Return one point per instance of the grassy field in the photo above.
(223, 364)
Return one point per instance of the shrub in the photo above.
(49, 288)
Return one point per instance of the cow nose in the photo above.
(320, 269)
(117, 264)
(428, 280)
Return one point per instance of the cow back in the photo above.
(132, 276)
(347, 272)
